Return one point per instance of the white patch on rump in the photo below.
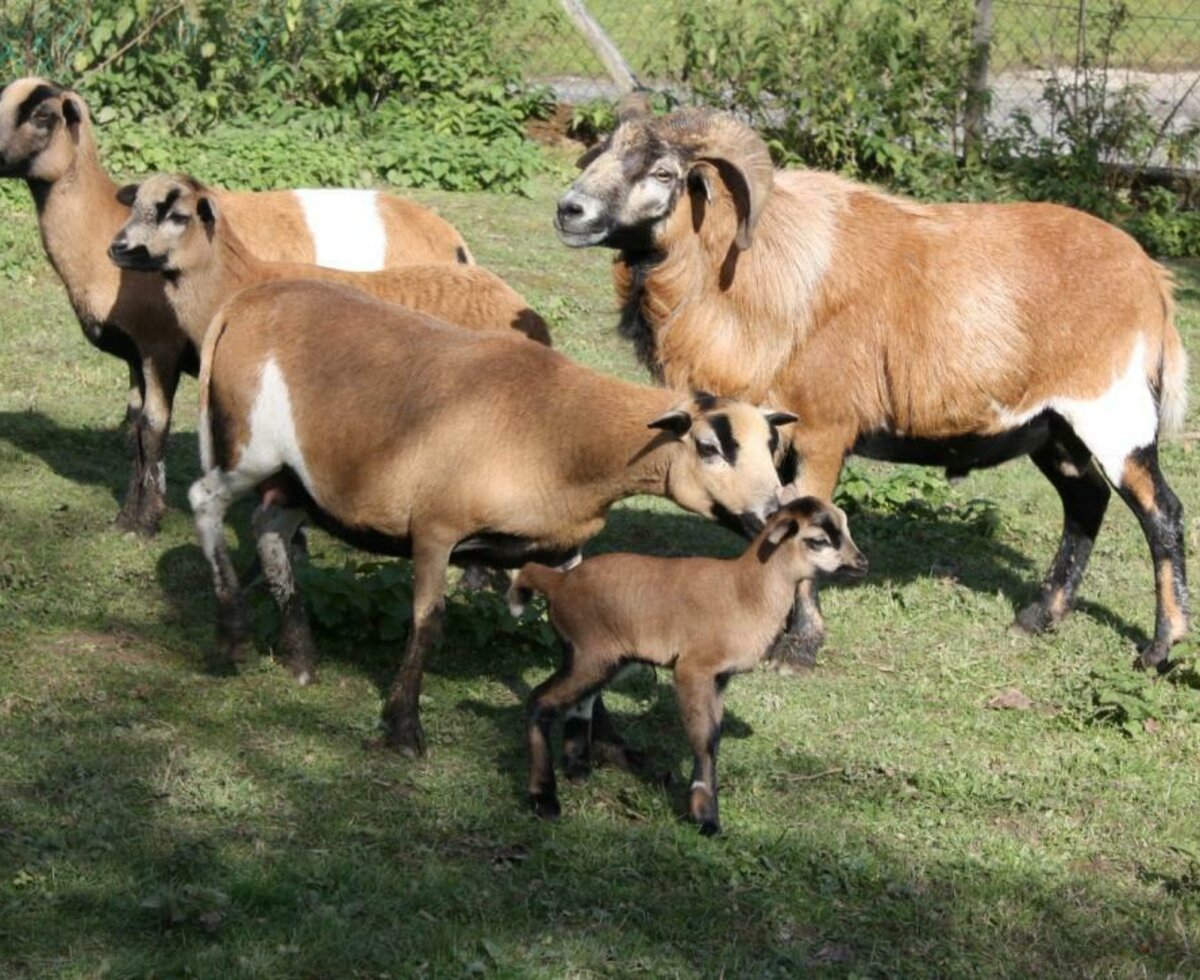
(1113, 424)
(346, 228)
(273, 442)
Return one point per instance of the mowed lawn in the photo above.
(880, 818)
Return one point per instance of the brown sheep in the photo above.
(176, 228)
(955, 335)
(46, 140)
(704, 618)
(402, 434)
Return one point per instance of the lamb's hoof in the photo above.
(794, 653)
(545, 805)
(1155, 657)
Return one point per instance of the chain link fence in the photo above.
(1151, 45)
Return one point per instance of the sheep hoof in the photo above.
(138, 519)
(795, 653)
(545, 805)
(408, 738)
(1154, 657)
(1033, 620)
(577, 770)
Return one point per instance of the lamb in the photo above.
(704, 618)
(404, 435)
(956, 335)
(46, 139)
(176, 228)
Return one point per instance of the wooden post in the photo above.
(978, 95)
(601, 45)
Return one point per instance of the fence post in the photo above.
(602, 45)
(978, 95)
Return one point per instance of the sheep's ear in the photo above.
(591, 153)
(72, 111)
(780, 418)
(677, 421)
(778, 534)
(635, 105)
(206, 211)
(127, 194)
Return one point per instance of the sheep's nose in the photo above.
(570, 206)
(118, 247)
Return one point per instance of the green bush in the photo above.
(868, 89)
(290, 91)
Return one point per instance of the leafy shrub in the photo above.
(291, 91)
(869, 89)
(914, 492)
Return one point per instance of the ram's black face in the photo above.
(631, 185)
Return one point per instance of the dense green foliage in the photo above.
(290, 91)
(877, 90)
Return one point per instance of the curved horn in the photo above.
(740, 157)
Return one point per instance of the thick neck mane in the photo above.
(703, 314)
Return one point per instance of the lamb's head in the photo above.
(810, 538)
(172, 220)
(724, 466)
(651, 167)
(40, 129)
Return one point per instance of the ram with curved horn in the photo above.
(956, 335)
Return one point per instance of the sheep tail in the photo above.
(530, 579)
(1173, 371)
(204, 427)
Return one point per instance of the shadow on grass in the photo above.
(98, 457)
(151, 837)
(902, 548)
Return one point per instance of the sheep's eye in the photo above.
(178, 219)
(818, 544)
(662, 175)
(708, 450)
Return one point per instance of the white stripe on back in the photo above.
(346, 228)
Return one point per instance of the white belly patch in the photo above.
(346, 228)
(1113, 424)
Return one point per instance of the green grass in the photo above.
(880, 818)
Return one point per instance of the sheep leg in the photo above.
(795, 649)
(700, 704)
(577, 680)
(137, 395)
(162, 378)
(1160, 513)
(275, 529)
(588, 725)
(401, 711)
(127, 516)
(1085, 495)
(210, 497)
